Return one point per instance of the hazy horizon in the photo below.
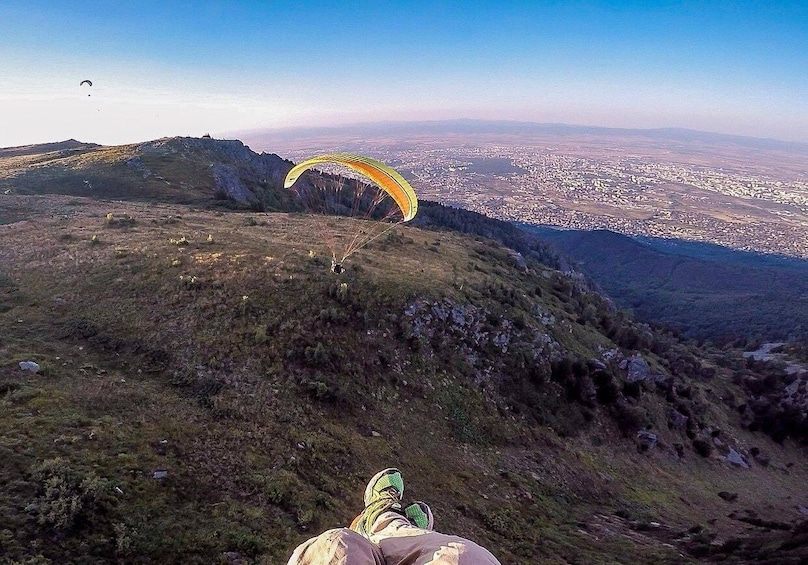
(168, 68)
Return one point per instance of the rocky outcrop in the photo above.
(238, 173)
(483, 339)
(229, 183)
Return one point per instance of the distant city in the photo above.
(739, 196)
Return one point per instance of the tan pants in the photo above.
(340, 546)
(394, 542)
(404, 544)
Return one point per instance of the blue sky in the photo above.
(188, 68)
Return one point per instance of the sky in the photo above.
(164, 68)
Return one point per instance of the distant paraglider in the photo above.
(371, 209)
(89, 83)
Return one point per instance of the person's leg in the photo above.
(340, 546)
(401, 542)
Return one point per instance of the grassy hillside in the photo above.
(210, 393)
(187, 170)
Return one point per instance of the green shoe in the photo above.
(420, 515)
(384, 481)
(383, 494)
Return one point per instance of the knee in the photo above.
(463, 552)
(339, 546)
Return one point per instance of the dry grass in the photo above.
(238, 366)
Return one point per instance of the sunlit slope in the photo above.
(210, 388)
(175, 169)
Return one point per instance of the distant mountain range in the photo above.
(704, 290)
(468, 126)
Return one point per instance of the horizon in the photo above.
(168, 69)
(246, 136)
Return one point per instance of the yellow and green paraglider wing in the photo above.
(388, 179)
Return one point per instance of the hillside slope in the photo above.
(177, 169)
(709, 295)
(209, 392)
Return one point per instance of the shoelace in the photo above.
(388, 500)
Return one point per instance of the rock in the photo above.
(728, 496)
(517, 258)
(233, 558)
(677, 420)
(638, 369)
(598, 365)
(736, 459)
(29, 366)
(160, 474)
(646, 440)
(230, 184)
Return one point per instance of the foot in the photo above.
(383, 494)
(381, 485)
(419, 514)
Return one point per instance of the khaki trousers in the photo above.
(340, 546)
(393, 541)
(404, 544)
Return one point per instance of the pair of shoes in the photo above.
(383, 494)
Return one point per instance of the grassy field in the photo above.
(210, 392)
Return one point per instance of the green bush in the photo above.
(65, 494)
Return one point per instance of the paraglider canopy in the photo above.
(351, 212)
(88, 82)
(387, 178)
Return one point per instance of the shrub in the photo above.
(65, 494)
(607, 387)
(629, 418)
(703, 447)
(317, 355)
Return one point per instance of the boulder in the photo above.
(677, 420)
(638, 369)
(736, 459)
(646, 440)
(29, 366)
